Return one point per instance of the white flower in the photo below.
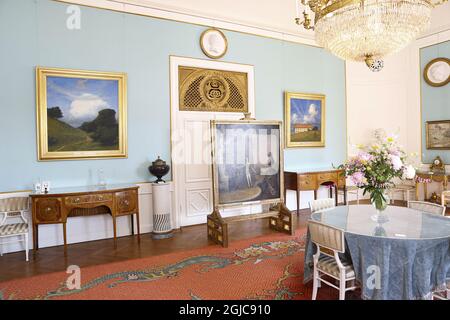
(409, 172)
(397, 163)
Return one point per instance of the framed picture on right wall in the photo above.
(438, 134)
(304, 116)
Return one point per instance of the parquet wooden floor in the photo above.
(46, 260)
(85, 254)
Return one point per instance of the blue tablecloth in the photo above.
(410, 269)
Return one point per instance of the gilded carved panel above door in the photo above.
(212, 90)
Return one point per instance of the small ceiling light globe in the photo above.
(374, 65)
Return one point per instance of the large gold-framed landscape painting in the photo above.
(304, 120)
(81, 114)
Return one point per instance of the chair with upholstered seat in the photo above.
(427, 207)
(320, 205)
(330, 243)
(14, 208)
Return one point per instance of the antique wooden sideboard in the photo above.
(312, 180)
(60, 203)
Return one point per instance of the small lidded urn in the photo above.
(159, 168)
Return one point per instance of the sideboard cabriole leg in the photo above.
(65, 237)
(336, 195)
(298, 201)
(132, 224)
(115, 231)
(35, 237)
(138, 227)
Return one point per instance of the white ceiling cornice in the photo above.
(166, 9)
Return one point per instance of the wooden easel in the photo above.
(280, 219)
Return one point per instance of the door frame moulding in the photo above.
(415, 88)
(174, 63)
(166, 14)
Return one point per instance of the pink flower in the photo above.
(364, 156)
(357, 178)
(394, 152)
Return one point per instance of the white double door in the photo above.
(191, 156)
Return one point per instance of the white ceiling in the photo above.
(276, 15)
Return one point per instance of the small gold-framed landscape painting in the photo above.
(304, 120)
(81, 114)
(438, 134)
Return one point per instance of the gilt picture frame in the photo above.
(437, 135)
(81, 114)
(247, 162)
(304, 116)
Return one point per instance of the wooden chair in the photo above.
(14, 208)
(330, 242)
(346, 190)
(427, 207)
(405, 189)
(320, 205)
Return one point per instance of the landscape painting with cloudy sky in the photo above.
(306, 120)
(82, 114)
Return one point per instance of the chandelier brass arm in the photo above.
(322, 8)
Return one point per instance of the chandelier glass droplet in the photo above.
(366, 30)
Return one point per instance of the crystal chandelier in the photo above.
(365, 30)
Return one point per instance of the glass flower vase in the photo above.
(380, 200)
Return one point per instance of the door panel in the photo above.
(194, 175)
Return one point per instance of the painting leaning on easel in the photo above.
(246, 162)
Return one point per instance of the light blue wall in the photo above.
(33, 32)
(435, 100)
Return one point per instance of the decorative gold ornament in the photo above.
(212, 90)
(437, 165)
(437, 72)
(365, 30)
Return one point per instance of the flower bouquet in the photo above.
(376, 166)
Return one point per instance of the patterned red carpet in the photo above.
(269, 267)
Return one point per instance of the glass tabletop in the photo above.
(403, 223)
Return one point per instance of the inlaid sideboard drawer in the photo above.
(48, 210)
(126, 201)
(78, 199)
(307, 181)
(327, 176)
(102, 197)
